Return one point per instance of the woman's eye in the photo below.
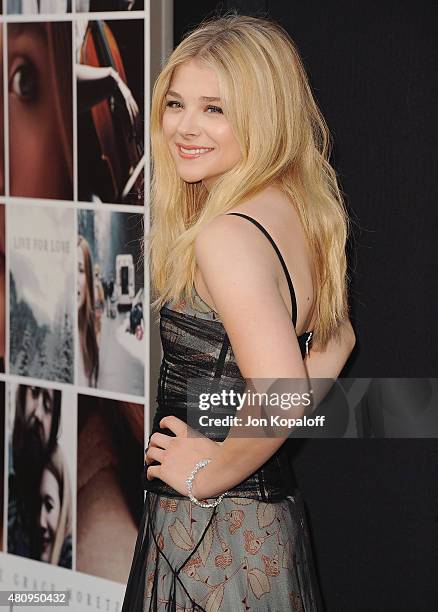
(216, 109)
(170, 102)
(48, 406)
(24, 82)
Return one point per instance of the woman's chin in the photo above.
(191, 180)
(45, 556)
(191, 177)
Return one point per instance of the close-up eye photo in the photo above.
(40, 127)
(218, 333)
(24, 80)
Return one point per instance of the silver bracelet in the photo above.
(189, 483)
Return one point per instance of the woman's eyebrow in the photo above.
(202, 98)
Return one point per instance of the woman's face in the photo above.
(193, 118)
(81, 278)
(49, 515)
(38, 167)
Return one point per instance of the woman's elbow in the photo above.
(350, 336)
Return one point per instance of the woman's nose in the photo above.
(39, 409)
(43, 521)
(189, 124)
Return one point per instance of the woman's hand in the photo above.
(178, 455)
(127, 97)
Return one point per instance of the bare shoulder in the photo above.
(270, 207)
(231, 241)
(238, 249)
(229, 256)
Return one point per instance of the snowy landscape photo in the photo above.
(41, 276)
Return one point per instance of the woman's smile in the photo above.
(191, 152)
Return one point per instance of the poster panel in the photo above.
(109, 485)
(109, 69)
(41, 292)
(74, 85)
(41, 462)
(110, 301)
(40, 109)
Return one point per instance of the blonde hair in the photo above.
(283, 138)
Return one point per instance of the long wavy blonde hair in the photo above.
(283, 138)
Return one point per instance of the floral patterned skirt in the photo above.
(244, 555)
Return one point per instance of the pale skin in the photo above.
(239, 275)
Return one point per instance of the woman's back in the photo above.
(276, 213)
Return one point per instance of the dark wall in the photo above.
(373, 504)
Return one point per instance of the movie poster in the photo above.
(110, 117)
(110, 301)
(41, 277)
(109, 485)
(2, 289)
(42, 460)
(2, 455)
(40, 109)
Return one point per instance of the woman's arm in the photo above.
(238, 267)
(96, 83)
(239, 457)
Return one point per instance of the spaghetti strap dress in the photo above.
(250, 553)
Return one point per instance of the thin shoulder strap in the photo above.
(288, 278)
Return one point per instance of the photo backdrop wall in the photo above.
(74, 299)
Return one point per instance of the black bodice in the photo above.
(196, 346)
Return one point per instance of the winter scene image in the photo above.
(110, 301)
(41, 264)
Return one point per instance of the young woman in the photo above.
(88, 355)
(244, 200)
(56, 512)
(34, 438)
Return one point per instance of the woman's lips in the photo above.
(185, 155)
